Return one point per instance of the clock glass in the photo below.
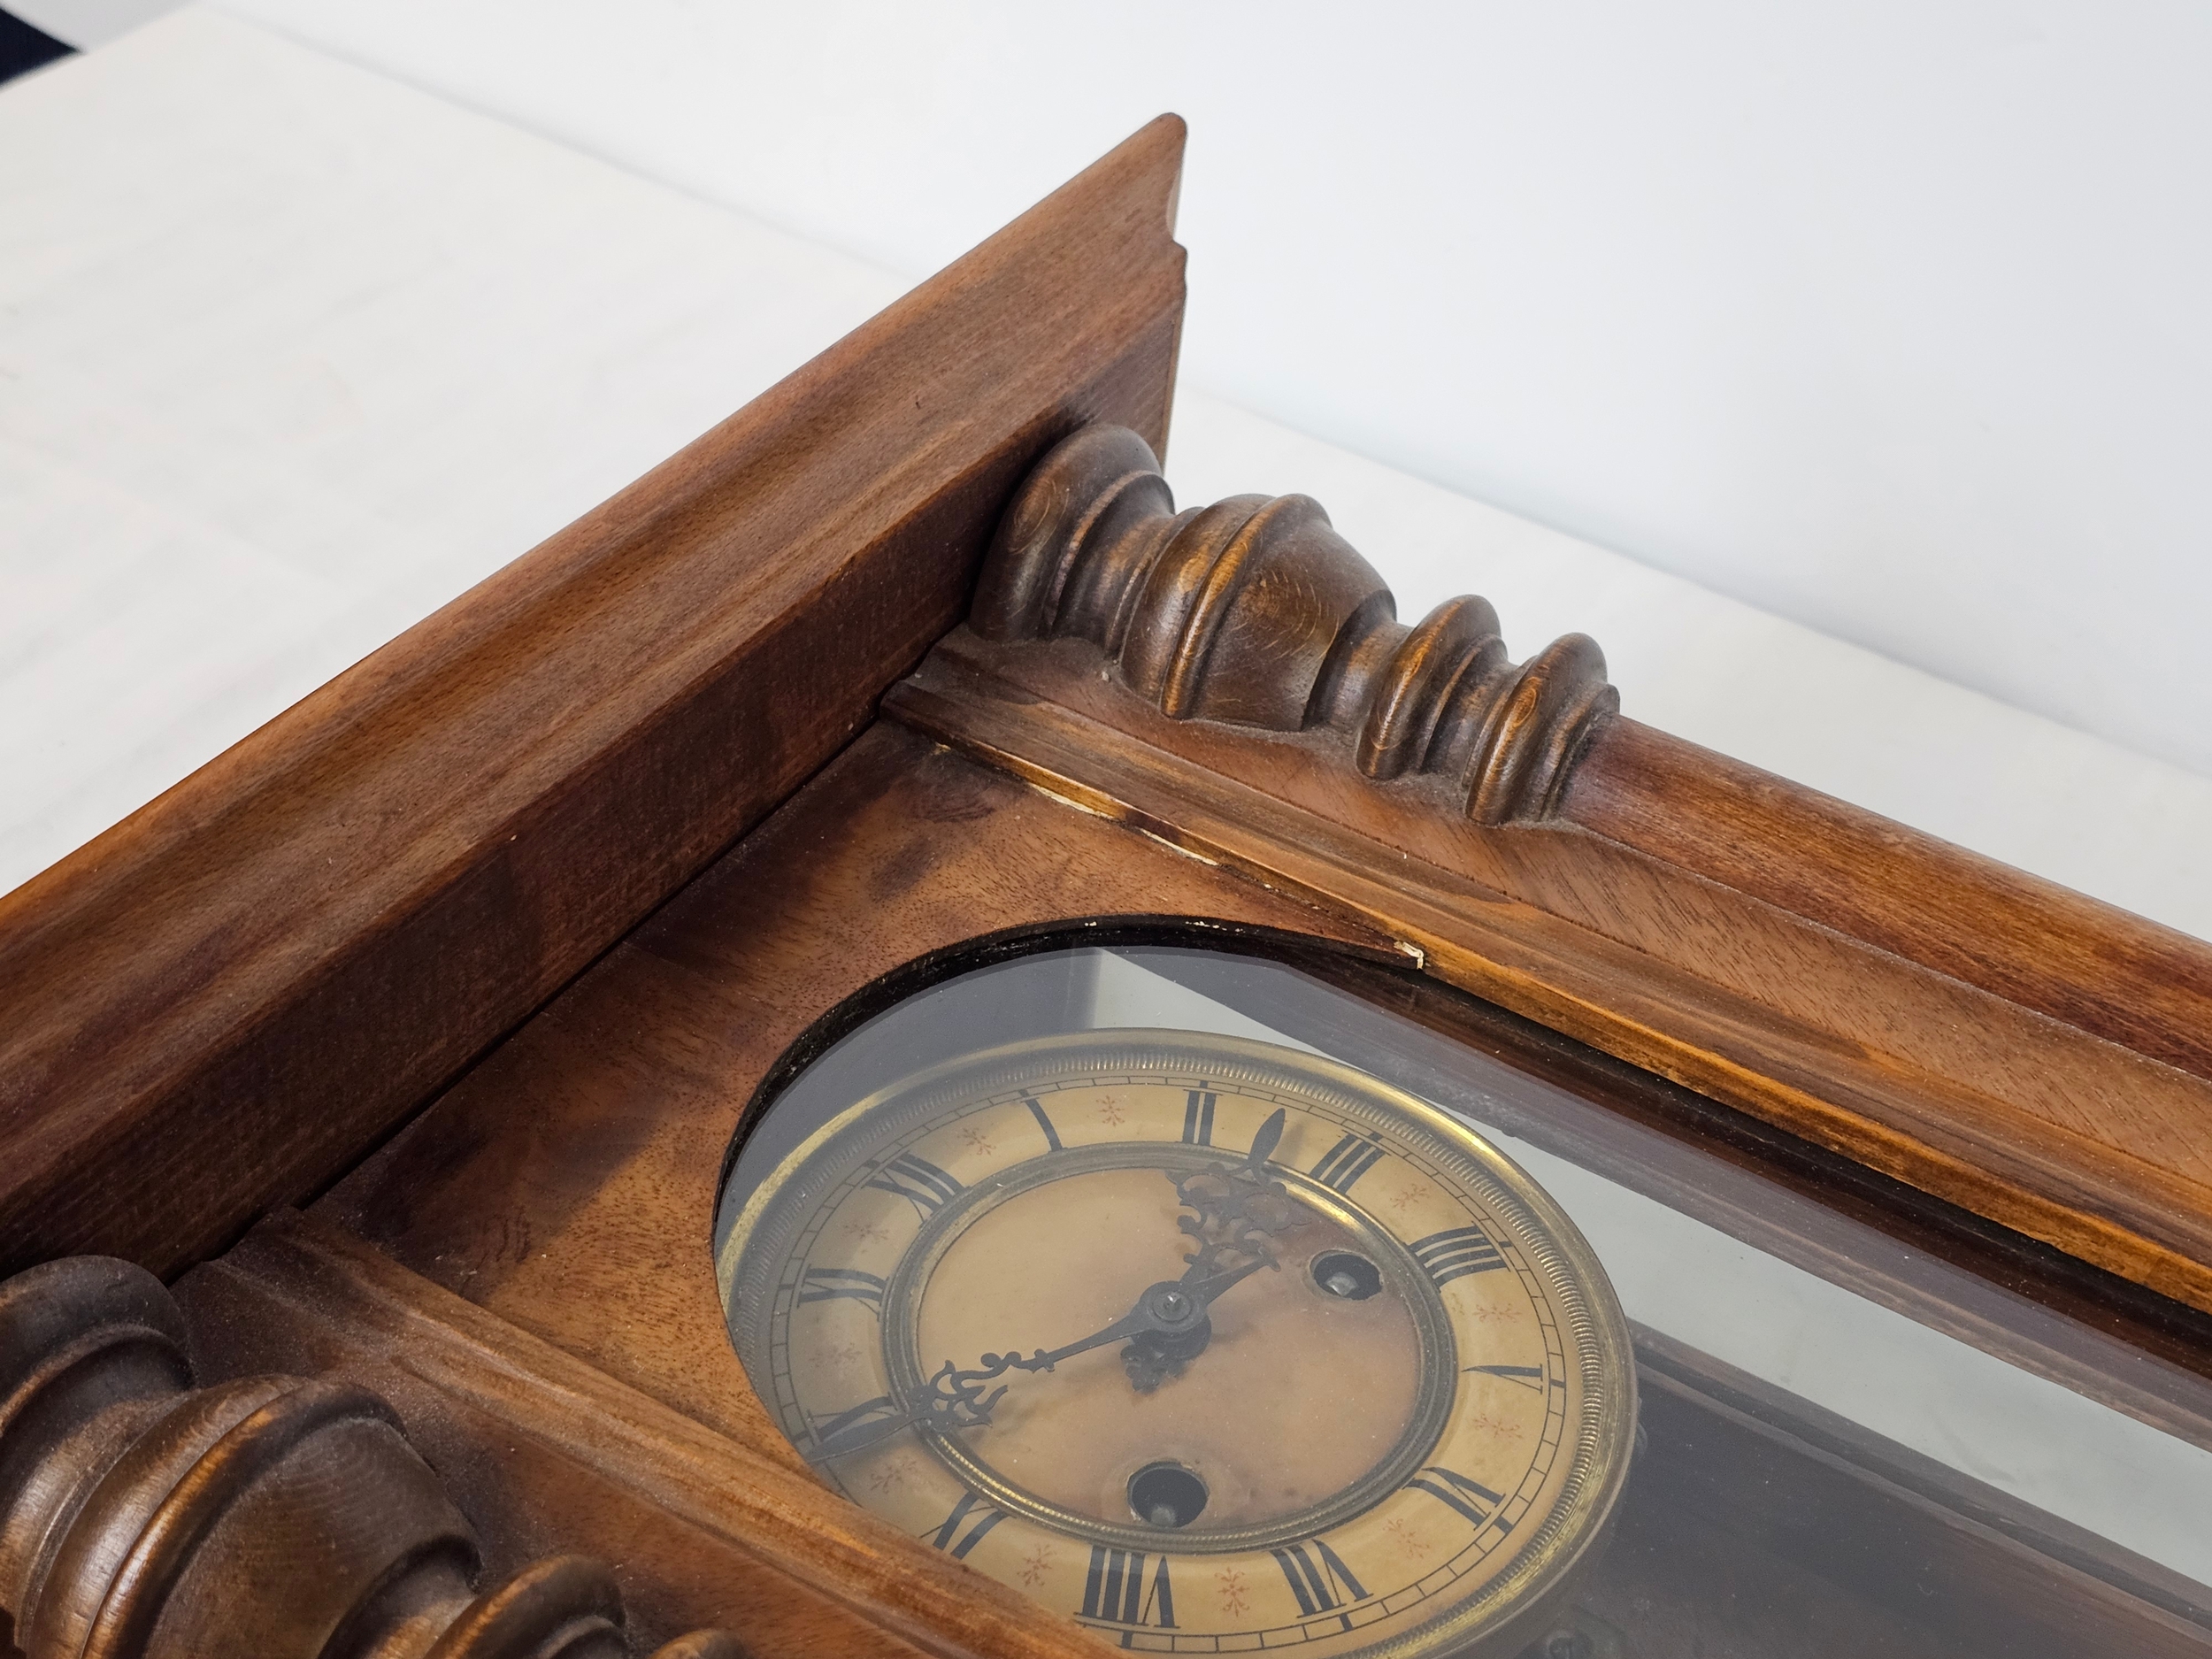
(1213, 1343)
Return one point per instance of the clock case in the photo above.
(407, 1039)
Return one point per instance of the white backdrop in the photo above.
(1889, 317)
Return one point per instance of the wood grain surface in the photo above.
(219, 1004)
(568, 1183)
(2041, 946)
(2039, 1125)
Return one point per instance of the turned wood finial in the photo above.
(142, 1518)
(1255, 611)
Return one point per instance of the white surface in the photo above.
(85, 23)
(1888, 317)
(289, 355)
(2046, 1445)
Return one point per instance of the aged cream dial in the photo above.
(1211, 1344)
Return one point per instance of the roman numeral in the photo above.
(919, 1182)
(1527, 1376)
(1444, 1257)
(1459, 1493)
(956, 1543)
(1198, 1118)
(1117, 1594)
(828, 1284)
(853, 1427)
(1052, 1135)
(1347, 1160)
(1321, 1587)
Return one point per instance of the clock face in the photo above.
(1211, 1344)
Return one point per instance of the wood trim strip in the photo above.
(1999, 1109)
(224, 1000)
(2044, 946)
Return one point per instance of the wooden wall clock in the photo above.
(892, 1044)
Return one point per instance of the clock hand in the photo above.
(955, 1400)
(1174, 1309)
(1237, 1211)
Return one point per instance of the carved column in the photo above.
(142, 1518)
(1255, 611)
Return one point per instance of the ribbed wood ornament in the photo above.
(1257, 612)
(142, 1518)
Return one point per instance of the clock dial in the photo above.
(1211, 1344)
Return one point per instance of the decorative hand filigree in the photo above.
(955, 1400)
(1237, 1210)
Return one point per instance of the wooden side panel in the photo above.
(1232, 677)
(223, 1000)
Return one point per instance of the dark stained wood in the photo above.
(282, 1516)
(568, 1183)
(703, 1528)
(1257, 612)
(222, 1001)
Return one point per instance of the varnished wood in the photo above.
(2015, 1049)
(567, 1184)
(1257, 612)
(2036, 945)
(218, 1004)
(282, 1516)
(2040, 1126)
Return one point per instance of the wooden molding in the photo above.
(1256, 612)
(2019, 1051)
(221, 1002)
(282, 1516)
